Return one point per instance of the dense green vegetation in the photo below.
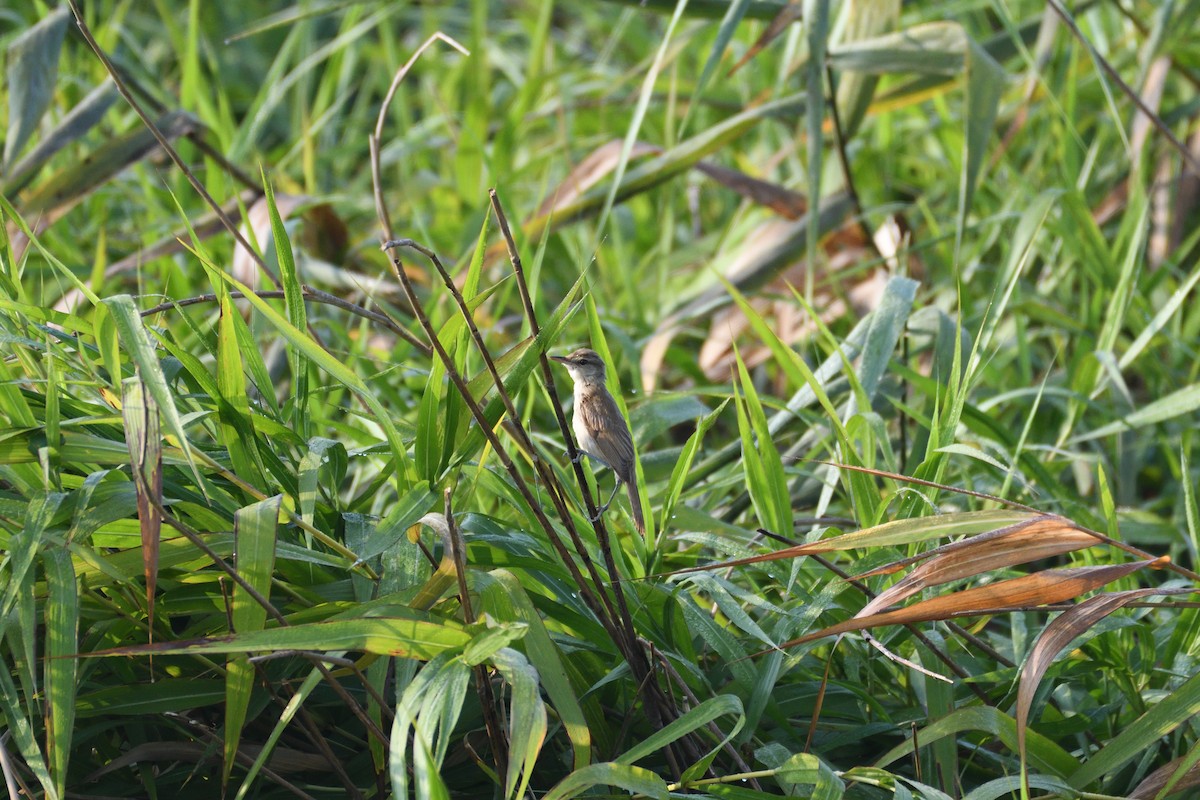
(857, 270)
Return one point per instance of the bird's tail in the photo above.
(635, 505)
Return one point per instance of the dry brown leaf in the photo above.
(1057, 635)
(1042, 533)
(604, 159)
(1019, 544)
(590, 171)
(1157, 780)
(787, 15)
(897, 532)
(783, 201)
(1029, 591)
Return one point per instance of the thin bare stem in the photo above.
(198, 541)
(483, 683)
(1155, 120)
(486, 429)
(374, 139)
(728, 747)
(658, 707)
(171, 152)
(514, 422)
(309, 293)
(917, 634)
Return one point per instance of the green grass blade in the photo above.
(62, 629)
(293, 295)
(254, 529)
(632, 779)
(137, 344)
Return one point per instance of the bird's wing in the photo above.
(608, 429)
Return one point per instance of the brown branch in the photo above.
(309, 293)
(635, 655)
(1190, 159)
(483, 683)
(171, 152)
(198, 541)
(517, 429)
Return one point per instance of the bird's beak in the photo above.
(560, 359)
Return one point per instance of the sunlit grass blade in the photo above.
(764, 468)
(137, 344)
(297, 314)
(505, 598)
(334, 367)
(632, 779)
(62, 628)
(408, 633)
(254, 529)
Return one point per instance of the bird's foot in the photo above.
(600, 512)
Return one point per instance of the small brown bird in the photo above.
(599, 427)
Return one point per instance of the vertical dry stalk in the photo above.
(620, 626)
(501, 452)
(522, 436)
(483, 683)
(597, 519)
(604, 615)
(658, 707)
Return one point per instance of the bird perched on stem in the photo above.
(600, 429)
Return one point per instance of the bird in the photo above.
(600, 430)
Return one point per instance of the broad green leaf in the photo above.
(503, 597)
(335, 368)
(413, 634)
(254, 529)
(526, 719)
(23, 548)
(1044, 752)
(138, 346)
(632, 779)
(297, 314)
(765, 479)
(62, 632)
(17, 723)
(32, 74)
(692, 720)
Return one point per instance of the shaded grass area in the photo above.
(900, 311)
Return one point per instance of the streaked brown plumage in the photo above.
(600, 429)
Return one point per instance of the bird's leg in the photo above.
(600, 511)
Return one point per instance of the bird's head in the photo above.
(584, 365)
